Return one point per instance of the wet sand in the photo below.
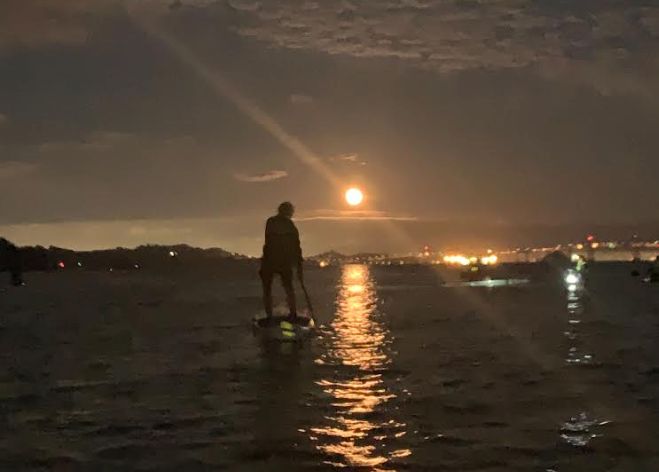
(129, 371)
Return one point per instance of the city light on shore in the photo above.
(457, 260)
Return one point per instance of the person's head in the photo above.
(286, 209)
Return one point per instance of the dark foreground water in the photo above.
(131, 372)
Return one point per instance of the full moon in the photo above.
(354, 196)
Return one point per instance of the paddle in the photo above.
(306, 296)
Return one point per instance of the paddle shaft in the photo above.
(306, 296)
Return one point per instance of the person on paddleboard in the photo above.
(281, 255)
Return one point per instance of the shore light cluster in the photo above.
(462, 260)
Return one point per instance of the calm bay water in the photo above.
(130, 372)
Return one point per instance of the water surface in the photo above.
(134, 372)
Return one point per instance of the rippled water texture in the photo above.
(136, 372)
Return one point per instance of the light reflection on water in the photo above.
(580, 429)
(360, 429)
(575, 354)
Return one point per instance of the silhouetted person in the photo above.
(281, 255)
(10, 259)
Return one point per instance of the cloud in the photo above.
(14, 169)
(37, 22)
(357, 215)
(264, 177)
(345, 158)
(301, 99)
(619, 38)
(453, 36)
(351, 158)
(244, 5)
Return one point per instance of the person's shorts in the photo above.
(268, 273)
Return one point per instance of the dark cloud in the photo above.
(609, 37)
(264, 177)
(37, 23)
(450, 36)
(31, 23)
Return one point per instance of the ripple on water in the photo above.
(576, 357)
(579, 430)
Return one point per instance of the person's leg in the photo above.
(266, 281)
(287, 282)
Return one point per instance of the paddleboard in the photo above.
(282, 328)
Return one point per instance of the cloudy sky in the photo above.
(124, 122)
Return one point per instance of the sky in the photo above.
(466, 122)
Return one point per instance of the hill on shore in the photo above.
(157, 257)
